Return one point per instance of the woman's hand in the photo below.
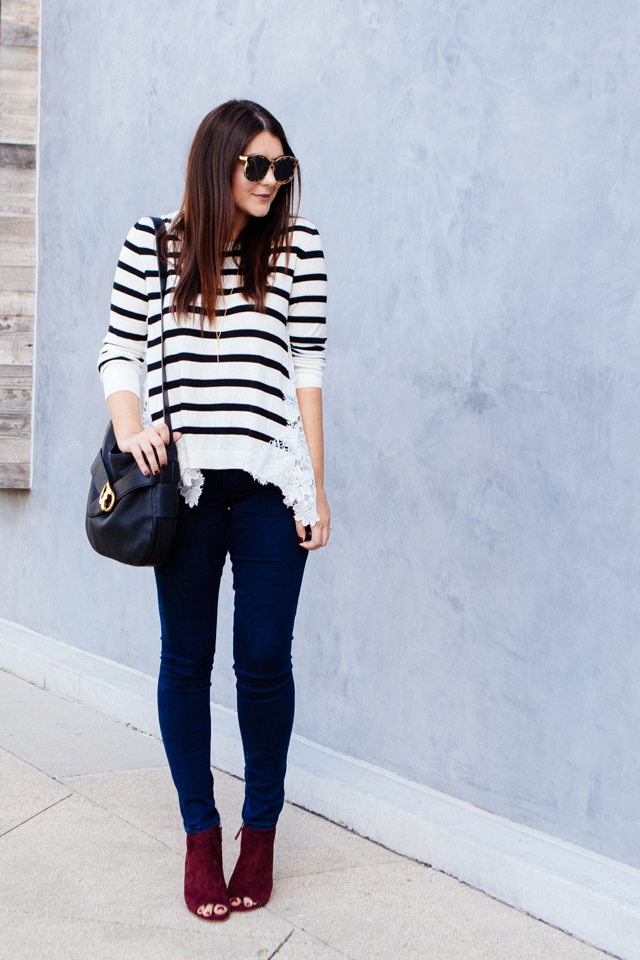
(150, 444)
(131, 438)
(320, 531)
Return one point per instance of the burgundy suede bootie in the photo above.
(253, 874)
(203, 876)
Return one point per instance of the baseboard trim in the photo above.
(590, 896)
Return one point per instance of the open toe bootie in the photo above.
(253, 874)
(203, 876)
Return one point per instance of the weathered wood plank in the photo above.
(15, 326)
(15, 449)
(15, 388)
(26, 11)
(19, 58)
(17, 205)
(18, 156)
(15, 400)
(15, 425)
(21, 82)
(15, 476)
(10, 373)
(16, 339)
(16, 349)
(16, 34)
(17, 130)
(18, 228)
(17, 253)
(17, 278)
(17, 107)
(17, 303)
(16, 179)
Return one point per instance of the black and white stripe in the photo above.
(225, 407)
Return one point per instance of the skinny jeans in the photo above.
(250, 522)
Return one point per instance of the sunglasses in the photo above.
(256, 167)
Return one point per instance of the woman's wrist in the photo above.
(125, 415)
(123, 434)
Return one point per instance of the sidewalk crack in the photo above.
(44, 809)
(118, 816)
(281, 945)
(312, 936)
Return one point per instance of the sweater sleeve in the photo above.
(123, 349)
(307, 307)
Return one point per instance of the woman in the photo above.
(244, 357)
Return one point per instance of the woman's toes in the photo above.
(248, 902)
(205, 911)
(220, 909)
(235, 901)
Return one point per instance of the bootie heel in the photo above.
(203, 876)
(253, 874)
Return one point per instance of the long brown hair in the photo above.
(203, 228)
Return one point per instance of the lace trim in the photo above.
(191, 484)
(286, 463)
(191, 481)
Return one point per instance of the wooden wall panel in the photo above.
(18, 113)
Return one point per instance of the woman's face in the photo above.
(255, 199)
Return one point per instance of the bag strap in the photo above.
(159, 226)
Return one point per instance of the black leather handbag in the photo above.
(132, 518)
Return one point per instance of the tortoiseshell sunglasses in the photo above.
(256, 167)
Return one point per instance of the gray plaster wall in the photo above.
(473, 170)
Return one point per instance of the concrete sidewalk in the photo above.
(92, 851)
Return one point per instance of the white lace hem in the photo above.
(191, 481)
(286, 463)
(191, 484)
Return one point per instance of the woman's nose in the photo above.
(269, 178)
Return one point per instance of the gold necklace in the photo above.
(218, 333)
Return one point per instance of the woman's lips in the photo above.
(264, 197)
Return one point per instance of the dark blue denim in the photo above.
(239, 516)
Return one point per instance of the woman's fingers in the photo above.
(152, 444)
(319, 537)
(321, 530)
(159, 437)
(149, 448)
(136, 452)
(301, 530)
(159, 448)
(149, 451)
(162, 431)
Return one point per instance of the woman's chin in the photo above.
(260, 209)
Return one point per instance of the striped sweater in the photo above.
(241, 411)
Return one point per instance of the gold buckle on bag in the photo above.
(107, 499)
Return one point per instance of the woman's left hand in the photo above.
(321, 530)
